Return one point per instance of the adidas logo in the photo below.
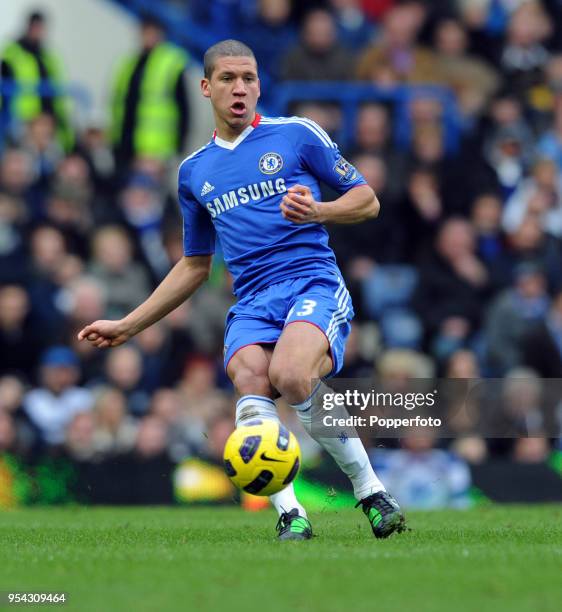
(207, 188)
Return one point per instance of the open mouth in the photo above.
(238, 108)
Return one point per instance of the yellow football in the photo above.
(262, 457)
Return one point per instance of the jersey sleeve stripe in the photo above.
(318, 134)
(313, 127)
(195, 153)
(321, 130)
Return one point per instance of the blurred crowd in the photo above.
(460, 276)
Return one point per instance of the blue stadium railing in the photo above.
(349, 97)
(78, 94)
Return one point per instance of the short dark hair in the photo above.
(35, 17)
(224, 48)
(150, 21)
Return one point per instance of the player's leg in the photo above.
(248, 371)
(300, 356)
(309, 348)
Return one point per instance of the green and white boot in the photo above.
(383, 513)
(291, 526)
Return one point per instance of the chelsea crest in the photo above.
(270, 163)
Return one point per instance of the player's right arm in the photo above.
(180, 283)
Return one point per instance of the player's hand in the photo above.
(299, 206)
(105, 334)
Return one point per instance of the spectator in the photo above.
(39, 141)
(490, 15)
(326, 115)
(20, 342)
(491, 245)
(166, 404)
(96, 150)
(270, 33)
(123, 370)
(355, 365)
(540, 195)
(125, 281)
(154, 344)
(52, 406)
(143, 205)
(507, 155)
(12, 391)
(17, 178)
(373, 131)
(377, 240)
(464, 407)
(73, 174)
(180, 343)
(149, 99)
(48, 251)
(521, 411)
(423, 211)
(207, 312)
(396, 57)
(472, 80)
(200, 397)
(422, 476)
(355, 30)
(79, 442)
(462, 364)
(531, 450)
(68, 212)
(550, 144)
(8, 438)
(453, 282)
(542, 344)
(115, 431)
(319, 56)
(151, 481)
(524, 56)
(508, 142)
(529, 242)
(428, 147)
(83, 297)
(13, 264)
(512, 314)
(27, 61)
(401, 365)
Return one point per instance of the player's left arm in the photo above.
(320, 157)
(354, 206)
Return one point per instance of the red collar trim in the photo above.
(254, 124)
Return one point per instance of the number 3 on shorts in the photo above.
(307, 308)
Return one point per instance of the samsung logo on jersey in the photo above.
(242, 195)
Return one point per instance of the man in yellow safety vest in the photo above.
(149, 99)
(31, 81)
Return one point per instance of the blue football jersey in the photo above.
(232, 190)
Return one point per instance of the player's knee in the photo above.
(251, 381)
(291, 381)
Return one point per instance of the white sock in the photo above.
(286, 500)
(248, 408)
(251, 407)
(347, 451)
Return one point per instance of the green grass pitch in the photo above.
(136, 559)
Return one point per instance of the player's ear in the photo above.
(206, 88)
(259, 88)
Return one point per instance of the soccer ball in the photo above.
(262, 457)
